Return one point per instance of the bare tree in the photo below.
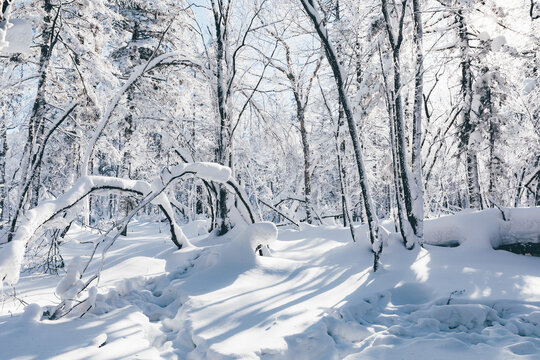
(301, 89)
(410, 181)
(225, 73)
(339, 77)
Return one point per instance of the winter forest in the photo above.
(269, 179)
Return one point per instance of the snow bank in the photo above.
(499, 329)
(32, 313)
(317, 297)
(120, 334)
(484, 230)
(196, 228)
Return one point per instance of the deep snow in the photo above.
(312, 296)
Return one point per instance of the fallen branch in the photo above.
(279, 212)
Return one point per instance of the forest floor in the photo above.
(314, 296)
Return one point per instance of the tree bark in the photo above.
(300, 113)
(468, 127)
(223, 151)
(36, 126)
(408, 184)
(3, 185)
(418, 195)
(339, 77)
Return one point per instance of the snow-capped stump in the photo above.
(32, 313)
(257, 238)
(262, 234)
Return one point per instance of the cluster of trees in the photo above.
(322, 109)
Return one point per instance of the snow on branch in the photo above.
(135, 75)
(11, 253)
(64, 207)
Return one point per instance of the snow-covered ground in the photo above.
(313, 296)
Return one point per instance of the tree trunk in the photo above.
(339, 77)
(300, 114)
(36, 123)
(468, 127)
(418, 195)
(3, 185)
(408, 184)
(127, 202)
(223, 151)
(223, 158)
(473, 184)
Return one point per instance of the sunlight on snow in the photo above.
(480, 293)
(530, 287)
(420, 265)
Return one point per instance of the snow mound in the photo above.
(315, 298)
(32, 313)
(484, 230)
(376, 328)
(196, 228)
(411, 293)
(257, 238)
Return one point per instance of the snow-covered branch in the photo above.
(64, 207)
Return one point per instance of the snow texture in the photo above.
(11, 254)
(17, 39)
(315, 297)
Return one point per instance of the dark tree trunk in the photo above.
(199, 208)
(31, 162)
(223, 151)
(417, 213)
(300, 114)
(126, 201)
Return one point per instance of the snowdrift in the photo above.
(312, 295)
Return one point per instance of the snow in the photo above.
(313, 295)
(498, 42)
(204, 170)
(484, 36)
(18, 37)
(11, 254)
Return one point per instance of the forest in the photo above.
(342, 178)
